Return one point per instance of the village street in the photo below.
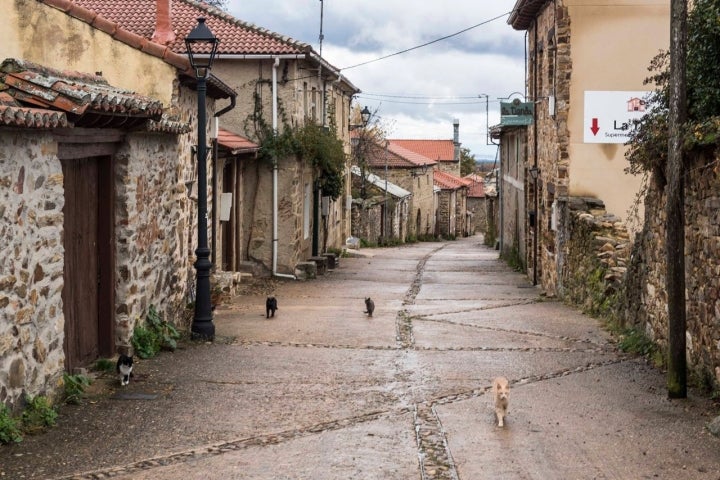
(324, 392)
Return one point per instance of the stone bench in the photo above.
(332, 260)
(322, 264)
(306, 270)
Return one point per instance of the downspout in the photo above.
(214, 172)
(275, 273)
(536, 228)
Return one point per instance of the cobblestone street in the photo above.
(322, 391)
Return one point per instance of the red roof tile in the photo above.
(476, 185)
(83, 97)
(447, 181)
(111, 27)
(236, 37)
(396, 157)
(235, 142)
(440, 150)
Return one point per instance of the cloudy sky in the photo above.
(416, 94)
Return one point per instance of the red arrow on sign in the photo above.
(594, 127)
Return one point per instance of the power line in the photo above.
(428, 43)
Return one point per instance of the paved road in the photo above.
(323, 392)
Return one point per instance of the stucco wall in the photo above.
(299, 97)
(36, 32)
(612, 45)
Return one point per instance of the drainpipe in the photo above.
(275, 273)
(214, 128)
(536, 228)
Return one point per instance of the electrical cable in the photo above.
(427, 43)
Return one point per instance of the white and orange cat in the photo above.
(501, 395)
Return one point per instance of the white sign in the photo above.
(609, 115)
(225, 206)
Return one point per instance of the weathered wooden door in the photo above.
(88, 260)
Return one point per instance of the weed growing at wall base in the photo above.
(9, 427)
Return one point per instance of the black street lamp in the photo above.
(201, 48)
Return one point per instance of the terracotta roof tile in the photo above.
(236, 37)
(111, 27)
(447, 181)
(236, 143)
(84, 97)
(476, 186)
(439, 150)
(396, 157)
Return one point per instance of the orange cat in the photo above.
(501, 393)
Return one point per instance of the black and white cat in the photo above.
(370, 306)
(124, 368)
(270, 307)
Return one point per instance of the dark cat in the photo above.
(270, 307)
(370, 306)
(124, 368)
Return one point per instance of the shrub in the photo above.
(38, 414)
(9, 427)
(74, 388)
(155, 335)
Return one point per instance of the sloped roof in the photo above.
(439, 150)
(392, 189)
(37, 96)
(395, 157)
(235, 143)
(448, 181)
(236, 36)
(524, 12)
(216, 88)
(476, 186)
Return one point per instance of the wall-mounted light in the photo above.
(365, 115)
(534, 172)
(419, 171)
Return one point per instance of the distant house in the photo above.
(451, 210)
(445, 152)
(382, 216)
(410, 171)
(476, 203)
(283, 221)
(96, 218)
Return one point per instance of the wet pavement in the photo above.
(321, 391)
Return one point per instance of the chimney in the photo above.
(164, 33)
(456, 139)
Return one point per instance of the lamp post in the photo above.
(201, 49)
(358, 143)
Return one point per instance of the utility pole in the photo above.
(674, 207)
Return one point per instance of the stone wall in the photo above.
(154, 234)
(444, 222)
(596, 257)
(31, 265)
(550, 73)
(646, 305)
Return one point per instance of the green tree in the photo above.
(467, 162)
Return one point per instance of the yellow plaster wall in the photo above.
(612, 45)
(38, 33)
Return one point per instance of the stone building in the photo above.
(586, 60)
(283, 83)
(94, 210)
(451, 209)
(412, 172)
(476, 203)
(445, 152)
(382, 216)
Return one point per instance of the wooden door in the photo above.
(87, 297)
